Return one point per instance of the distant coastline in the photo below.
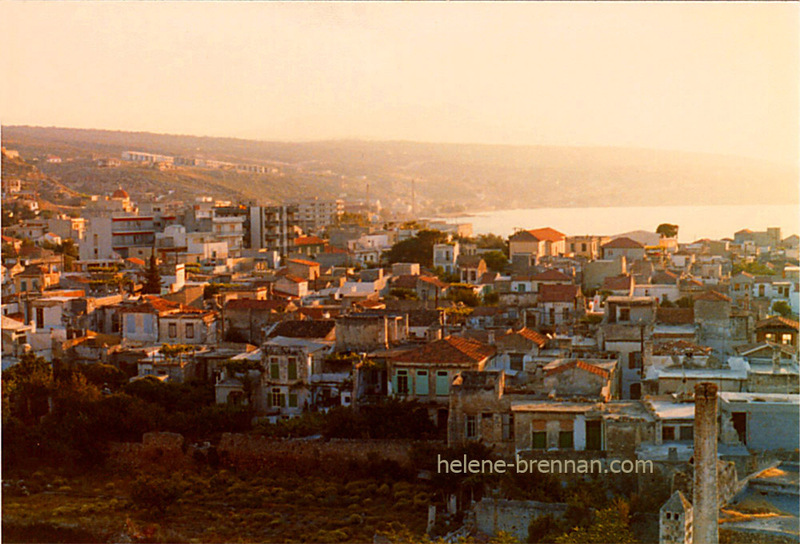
(695, 221)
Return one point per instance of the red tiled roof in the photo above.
(778, 321)
(583, 365)
(303, 261)
(294, 279)
(558, 293)
(532, 335)
(713, 296)
(548, 234)
(251, 304)
(551, 274)
(623, 243)
(448, 351)
(675, 316)
(404, 282)
(433, 281)
(664, 277)
(308, 241)
(617, 283)
(320, 328)
(544, 234)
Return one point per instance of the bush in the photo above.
(154, 493)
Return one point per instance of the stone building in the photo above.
(675, 521)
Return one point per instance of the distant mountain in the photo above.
(447, 177)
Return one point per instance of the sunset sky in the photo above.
(712, 77)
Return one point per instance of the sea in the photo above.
(694, 222)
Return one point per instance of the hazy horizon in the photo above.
(710, 78)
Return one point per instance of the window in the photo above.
(552, 316)
(40, 318)
(190, 330)
(277, 400)
(508, 426)
(516, 360)
(539, 440)
(667, 433)
(583, 247)
(172, 330)
(421, 383)
(292, 368)
(786, 339)
(624, 314)
(274, 369)
(565, 314)
(565, 440)
(402, 382)
(635, 360)
(594, 434)
(472, 427)
(687, 433)
(292, 400)
(521, 287)
(442, 383)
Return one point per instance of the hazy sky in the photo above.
(716, 77)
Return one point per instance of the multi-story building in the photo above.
(314, 214)
(587, 246)
(274, 228)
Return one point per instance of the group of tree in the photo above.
(67, 415)
(417, 249)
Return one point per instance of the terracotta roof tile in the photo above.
(308, 241)
(551, 274)
(532, 335)
(713, 296)
(618, 283)
(305, 262)
(675, 316)
(623, 243)
(304, 328)
(558, 293)
(449, 351)
(778, 321)
(251, 304)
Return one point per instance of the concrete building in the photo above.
(274, 228)
(314, 214)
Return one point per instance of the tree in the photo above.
(667, 230)
(418, 249)
(496, 260)
(782, 308)
(609, 525)
(152, 278)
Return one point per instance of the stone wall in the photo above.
(259, 452)
(494, 515)
(246, 451)
(162, 449)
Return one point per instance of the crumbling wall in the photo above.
(514, 517)
(260, 452)
(162, 449)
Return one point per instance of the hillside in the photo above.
(449, 177)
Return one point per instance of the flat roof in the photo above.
(775, 398)
(667, 409)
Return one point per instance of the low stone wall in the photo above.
(494, 515)
(259, 452)
(162, 449)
